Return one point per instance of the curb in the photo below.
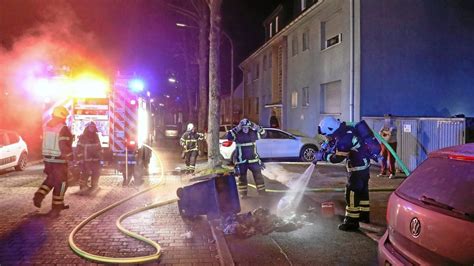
(35, 162)
(225, 257)
(372, 231)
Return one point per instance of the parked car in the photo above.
(276, 143)
(430, 217)
(171, 131)
(13, 151)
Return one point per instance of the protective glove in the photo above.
(262, 165)
(255, 127)
(237, 170)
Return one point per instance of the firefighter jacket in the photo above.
(189, 140)
(349, 146)
(246, 148)
(57, 142)
(88, 147)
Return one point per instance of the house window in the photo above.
(331, 31)
(305, 94)
(294, 46)
(333, 41)
(305, 40)
(271, 29)
(276, 24)
(257, 105)
(294, 99)
(331, 98)
(264, 62)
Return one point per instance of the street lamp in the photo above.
(182, 25)
(172, 80)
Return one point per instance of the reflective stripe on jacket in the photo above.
(89, 149)
(189, 140)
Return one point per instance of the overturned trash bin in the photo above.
(214, 196)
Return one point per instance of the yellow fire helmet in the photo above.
(60, 112)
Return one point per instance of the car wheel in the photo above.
(22, 162)
(308, 153)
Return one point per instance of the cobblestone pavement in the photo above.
(29, 236)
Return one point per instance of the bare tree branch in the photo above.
(185, 12)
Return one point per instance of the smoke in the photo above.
(57, 39)
(278, 173)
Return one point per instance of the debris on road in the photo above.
(261, 221)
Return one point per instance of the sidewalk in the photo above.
(27, 236)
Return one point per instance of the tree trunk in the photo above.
(213, 156)
(203, 65)
(189, 88)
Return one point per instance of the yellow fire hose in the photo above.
(141, 259)
(323, 189)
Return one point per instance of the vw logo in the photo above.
(415, 227)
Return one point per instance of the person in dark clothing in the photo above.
(274, 120)
(57, 155)
(89, 154)
(245, 134)
(348, 146)
(189, 142)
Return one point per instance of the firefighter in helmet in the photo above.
(189, 142)
(245, 134)
(57, 155)
(348, 145)
(89, 154)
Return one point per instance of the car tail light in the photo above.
(227, 143)
(461, 157)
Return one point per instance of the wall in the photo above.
(417, 57)
(313, 67)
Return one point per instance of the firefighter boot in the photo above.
(37, 199)
(364, 217)
(349, 224)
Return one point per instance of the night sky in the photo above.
(131, 36)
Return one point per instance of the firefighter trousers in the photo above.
(357, 196)
(56, 177)
(256, 170)
(190, 160)
(90, 169)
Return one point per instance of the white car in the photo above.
(13, 151)
(276, 144)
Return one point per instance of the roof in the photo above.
(281, 33)
(460, 150)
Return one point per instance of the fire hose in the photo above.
(154, 244)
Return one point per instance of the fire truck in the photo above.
(120, 111)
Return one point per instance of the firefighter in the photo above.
(245, 134)
(57, 155)
(348, 145)
(89, 155)
(189, 142)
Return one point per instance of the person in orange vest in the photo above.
(57, 155)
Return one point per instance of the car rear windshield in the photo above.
(446, 181)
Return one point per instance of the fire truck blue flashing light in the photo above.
(136, 85)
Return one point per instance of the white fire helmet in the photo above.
(190, 127)
(328, 126)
